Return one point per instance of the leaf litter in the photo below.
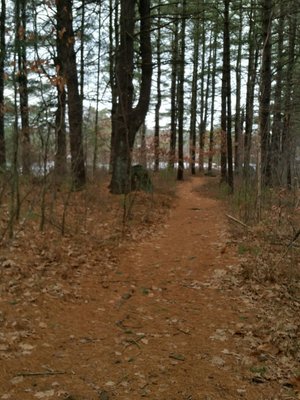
(85, 306)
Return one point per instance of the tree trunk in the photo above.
(20, 11)
(129, 118)
(113, 45)
(82, 57)
(68, 57)
(60, 133)
(96, 128)
(203, 102)
(158, 88)
(2, 64)
(265, 89)
(205, 108)
(213, 92)
(174, 76)
(277, 116)
(181, 94)
(287, 142)
(193, 120)
(227, 72)
(60, 115)
(251, 79)
(238, 116)
(143, 146)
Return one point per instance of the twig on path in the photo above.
(41, 373)
(237, 221)
(183, 331)
(130, 342)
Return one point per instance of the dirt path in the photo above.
(156, 325)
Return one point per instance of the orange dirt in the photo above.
(155, 323)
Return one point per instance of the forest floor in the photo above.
(161, 315)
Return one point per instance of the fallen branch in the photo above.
(42, 373)
(297, 234)
(237, 221)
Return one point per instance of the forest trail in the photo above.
(157, 324)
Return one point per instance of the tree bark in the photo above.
(181, 94)
(203, 122)
(265, 89)
(96, 128)
(227, 72)
(2, 64)
(174, 105)
(60, 133)
(251, 79)
(129, 118)
(213, 93)
(238, 116)
(158, 88)
(287, 140)
(21, 19)
(193, 120)
(60, 115)
(277, 113)
(66, 37)
(203, 102)
(113, 45)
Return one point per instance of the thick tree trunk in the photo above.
(129, 119)
(2, 63)
(68, 58)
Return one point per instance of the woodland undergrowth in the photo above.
(46, 206)
(59, 227)
(269, 273)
